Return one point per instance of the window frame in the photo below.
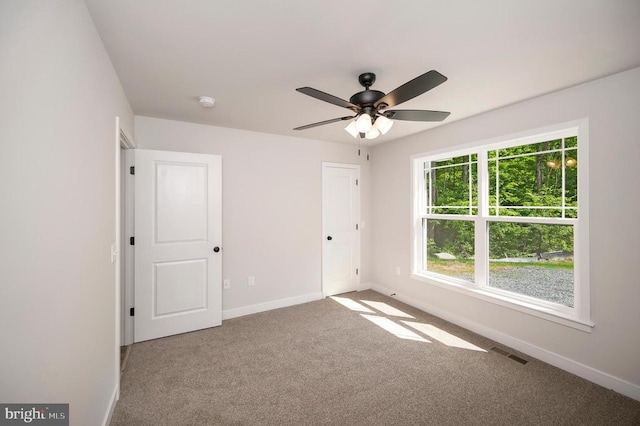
(578, 317)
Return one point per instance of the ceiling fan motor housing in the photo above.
(366, 98)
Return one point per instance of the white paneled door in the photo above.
(178, 243)
(340, 228)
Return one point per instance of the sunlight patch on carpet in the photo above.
(442, 336)
(394, 328)
(387, 309)
(352, 304)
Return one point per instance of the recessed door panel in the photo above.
(181, 202)
(180, 287)
(340, 259)
(339, 215)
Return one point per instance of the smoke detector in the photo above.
(207, 101)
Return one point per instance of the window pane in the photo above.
(532, 259)
(533, 148)
(451, 161)
(528, 180)
(571, 142)
(451, 185)
(450, 247)
(571, 181)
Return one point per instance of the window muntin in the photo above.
(552, 204)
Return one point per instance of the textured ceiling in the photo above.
(251, 55)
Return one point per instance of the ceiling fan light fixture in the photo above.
(383, 124)
(363, 123)
(352, 129)
(372, 133)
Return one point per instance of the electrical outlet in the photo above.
(251, 280)
(227, 284)
(397, 270)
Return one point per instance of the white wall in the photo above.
(612, 106)
(271, 206)
(60, 96)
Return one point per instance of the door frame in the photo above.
(121, 142)
(124, 223)
(326, 165)
(128, 230)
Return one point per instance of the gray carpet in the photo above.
(324, 364)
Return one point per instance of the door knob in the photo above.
(216, 249)
(329, 238)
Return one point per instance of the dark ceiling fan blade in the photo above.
(416, 115)
(321, 123)
(327, 98)
(413, 88)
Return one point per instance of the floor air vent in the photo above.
(518, 359)
(500, 351)
(509, 355)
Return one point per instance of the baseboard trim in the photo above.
(581, 370)
(267, 306)
(112, 407)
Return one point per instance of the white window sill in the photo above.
(548, 314)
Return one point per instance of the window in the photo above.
(507, 221)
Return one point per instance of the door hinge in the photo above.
(356, 271)
(356, 182)
(356, 226)
(132, 312)
(367, 157)
(132, 241)
(132, 170)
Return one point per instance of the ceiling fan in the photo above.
(371, 107)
